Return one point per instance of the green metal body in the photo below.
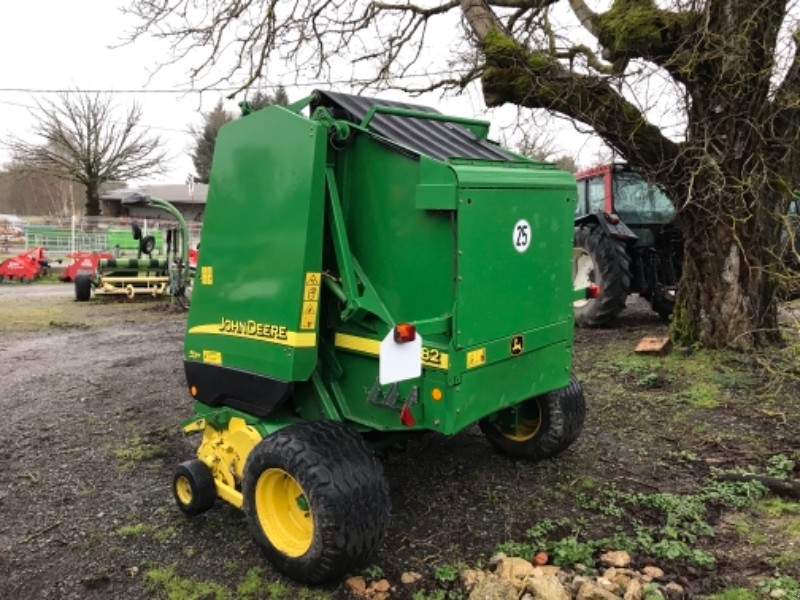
(359, 239)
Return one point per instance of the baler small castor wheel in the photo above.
(549, 424)
(193, 487)
(83, 287)
(316, 500)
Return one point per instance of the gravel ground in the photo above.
(93, 395)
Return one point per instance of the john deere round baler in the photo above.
(374, 268)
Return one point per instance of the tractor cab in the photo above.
(619, 190)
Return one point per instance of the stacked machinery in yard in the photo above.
(627, 240)
(412, 276)
(142, 276)
(82, 260)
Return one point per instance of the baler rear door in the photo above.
(514, 252)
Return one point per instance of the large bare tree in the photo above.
(701, 96)
(81, 138)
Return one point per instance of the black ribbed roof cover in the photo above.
(437, 139)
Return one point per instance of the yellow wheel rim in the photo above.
(184, 490)
(283, 512)
(528, 426)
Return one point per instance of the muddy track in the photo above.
(90, 433)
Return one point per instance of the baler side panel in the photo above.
(259, 272)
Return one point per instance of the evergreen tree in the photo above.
(205, 138)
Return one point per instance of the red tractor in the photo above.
(627, 240)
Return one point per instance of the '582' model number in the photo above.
(434, 358)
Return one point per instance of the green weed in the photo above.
(133, 530)
(438, 595)
(446, 573)
(137, 450)
(165, 583)
(780, 466)
(703, 395)
(734, 380)
(251, 586)
(788, 584)
(372, 573)
(733, 594)
(787, 559)
(775, 507)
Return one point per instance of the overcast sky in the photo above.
(57, 44)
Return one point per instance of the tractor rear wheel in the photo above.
(549, 424)
(316, 500)
(193, 487)
(604, 261)
(83, 287)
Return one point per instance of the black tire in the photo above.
(147, 244)
(560, 416)
(193, 487)
(83, 287)
(611, 270)
(342, 491)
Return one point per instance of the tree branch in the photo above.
(538, 80)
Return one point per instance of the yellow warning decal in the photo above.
(308, 318)
(207, 275)
(431, 357)
(212, 356)
(476, 358)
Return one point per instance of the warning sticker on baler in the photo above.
(308, 318)
(212, 356)
(476, 358)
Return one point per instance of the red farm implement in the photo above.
(25, 267)
(82, 261)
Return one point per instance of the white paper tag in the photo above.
(398, 362)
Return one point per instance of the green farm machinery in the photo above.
(411, 276)
(143, 275)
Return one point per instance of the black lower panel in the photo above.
(222, 386)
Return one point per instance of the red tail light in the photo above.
(593, 291)
(405, 332)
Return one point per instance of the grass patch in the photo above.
(159, 534)
(703, 395)
(732, 594)
(776, 507)
(166, 584)
(137, 450)
(129, 531)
